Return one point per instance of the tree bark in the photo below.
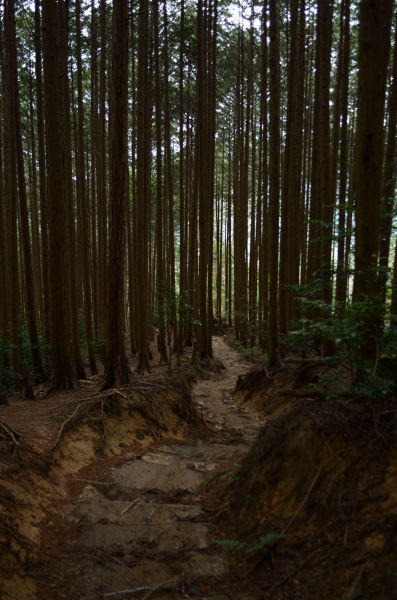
(160, 281)
(42, 171)
(340, 272)
(116, 361)
(143, 192)
(23, 206)
(11, 180)
(63, 375)
(274, 181)
(389, 182)
(82, 198)
(373, 56)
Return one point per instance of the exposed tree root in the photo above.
(12, 538)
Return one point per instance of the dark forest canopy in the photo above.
(167, 164)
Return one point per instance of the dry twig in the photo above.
(64, 424)
(147, 596)
(135, 499)
(356, 581)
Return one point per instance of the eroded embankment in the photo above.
(314, 508)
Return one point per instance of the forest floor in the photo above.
(212, 483)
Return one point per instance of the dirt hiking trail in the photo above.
(146, 532)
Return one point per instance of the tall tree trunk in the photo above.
(34, 209)
(389, 182)
(94, 155)
(314, 248)
(182, 213)
(23, 205)
(373, 56)
(11, 175)
(200, 141)
(287, 191)
(160, 280)
(116, 361)
(102, 195)
(169, 175)
(42, 171)
(143, 192)
(264, 237)
(67, 189)
(340, 271)
(274, 181)
(4, 274)
(63, 375)
(131, 225)
(325, 20)
(82, 200)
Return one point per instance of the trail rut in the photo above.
(146, 526)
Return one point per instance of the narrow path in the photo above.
(151, 529)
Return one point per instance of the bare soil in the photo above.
(116, 506)
(314, 507)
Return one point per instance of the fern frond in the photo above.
(269, 540)
(230, 544)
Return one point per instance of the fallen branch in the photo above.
(129, 506)
(122, 592)
(92, 400)
(114, 483)
(165, 451)
(147, 596)
(95, 482)
(148, 384)
(135, 499)
(64, 424)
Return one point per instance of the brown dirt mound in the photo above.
(323, 475)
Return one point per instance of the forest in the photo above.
(191, 191)
(201, 161)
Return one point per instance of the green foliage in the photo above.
(269, 540)
(348, 327)
(81, 328)
(230, 544)
(7, 376)
(237, 546)
(171, 309)
(209, 477)
(99, 347)
(99, 343)
(25, 349)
